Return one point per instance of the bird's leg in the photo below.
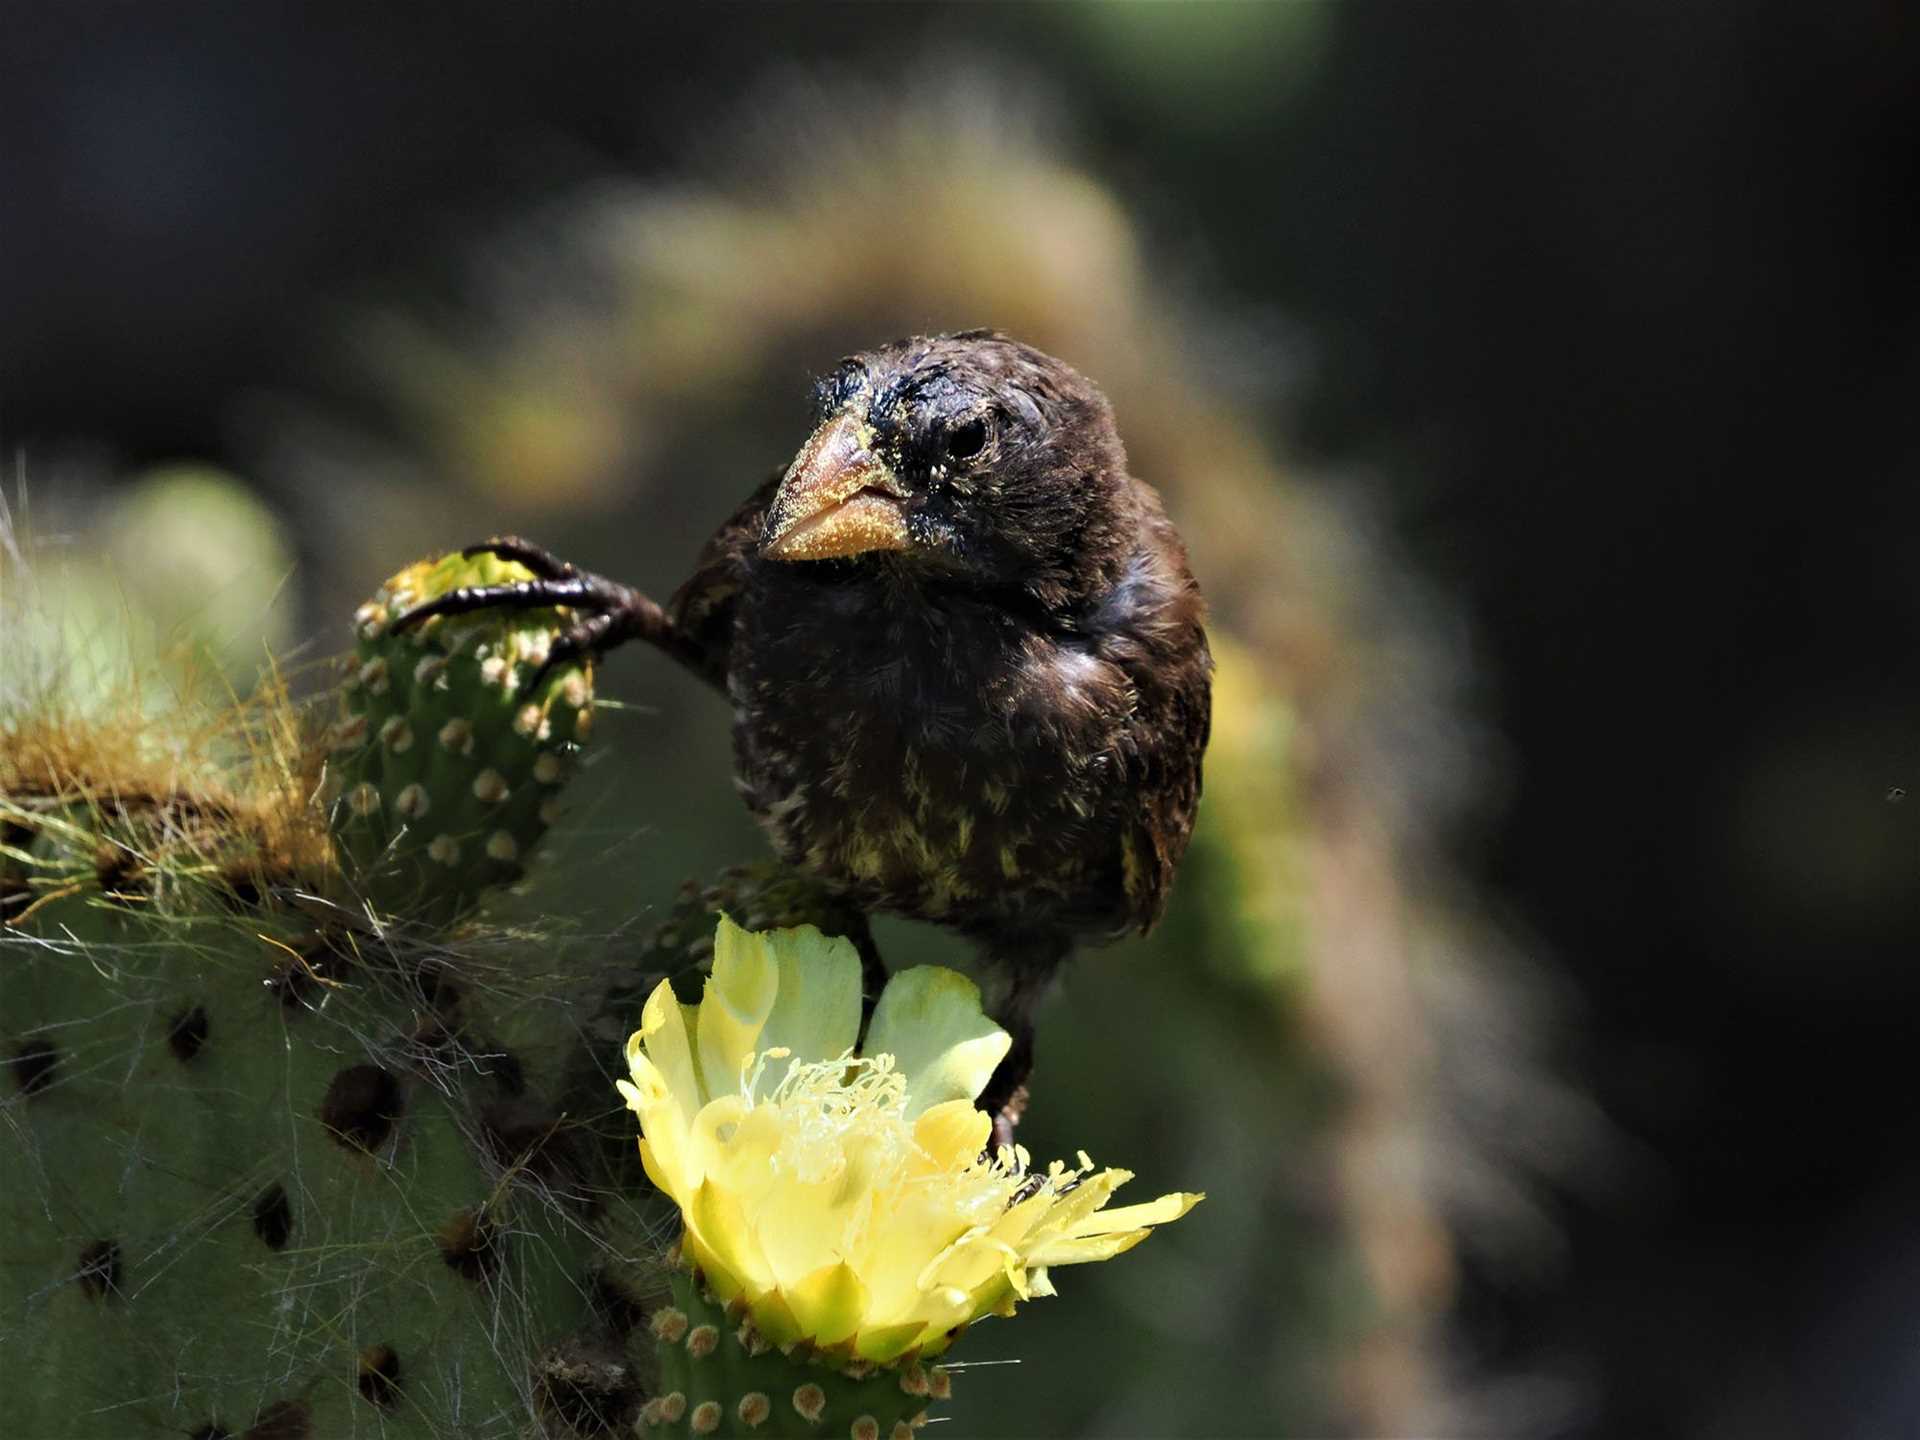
(873, 970)
(1029, 965)
(610, 613)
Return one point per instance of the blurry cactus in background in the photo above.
(173, 577)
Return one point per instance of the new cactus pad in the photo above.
(449, 761)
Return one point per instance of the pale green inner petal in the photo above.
(816, 1012)
(929, 1020)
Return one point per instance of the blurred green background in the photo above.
(1529, 385)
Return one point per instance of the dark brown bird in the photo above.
(969, 674)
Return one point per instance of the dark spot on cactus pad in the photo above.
(294, 982)
(212, 1430)
(249, 883)
(273, 1216)
(33, 1063)
(99, 1272)
(437, 988)
(503, 1067)
(362, 1103)
(380, 1375)
(432, 1044)
(470, 1244)
(121, 875)
(530, 1136)
(589, 1388)
(616, 1301)
(283, 1420)
(187, 1032)
(297, 978)
(242, 891)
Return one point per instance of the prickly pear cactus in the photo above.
(449, 761)
(271, 1170)
(717, 1377)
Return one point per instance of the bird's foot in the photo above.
(1005, 1095)
(609, 613)
(1006, 1118)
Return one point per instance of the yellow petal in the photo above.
(948, 1308)
(951, 1135)
(738, 998)
(737, 1146)
(663, 1176)
(1021, 1219)
(671, 1162)
(775, 1318)
(816, 1009)
(1087, 1247)
(1163, 1211)
(919, 1225)
(829, 1303)
(972, 1259)
(723, 1241)
(929, 1020)
(1085, 1198)
(882, 1343)
(668, 1044)
(647, 1090)
(803, 1227)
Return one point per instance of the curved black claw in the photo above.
(609, 613)
(537, 558)
(576, 591)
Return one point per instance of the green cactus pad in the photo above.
(262, 1184)
(447, 768)
(716, 1377)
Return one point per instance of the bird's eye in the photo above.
(967, 439)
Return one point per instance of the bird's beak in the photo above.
(838, 499)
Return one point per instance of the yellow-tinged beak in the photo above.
(838, 499)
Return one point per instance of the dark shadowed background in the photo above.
(1558, 363)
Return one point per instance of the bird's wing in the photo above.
(702, 609)
(1168, 735)
(1155, 633)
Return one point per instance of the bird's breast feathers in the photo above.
(939, 755)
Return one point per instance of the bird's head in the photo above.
(969, 457)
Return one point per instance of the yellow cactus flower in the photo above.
(844, 1198)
